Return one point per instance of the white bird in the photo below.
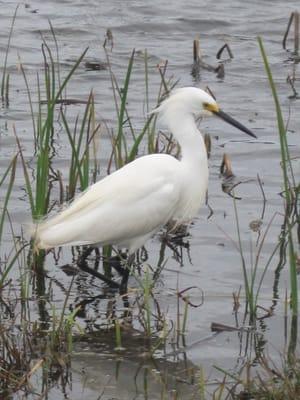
(127, 207)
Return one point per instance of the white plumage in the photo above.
(130, 205)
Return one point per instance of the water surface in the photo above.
(213, 264)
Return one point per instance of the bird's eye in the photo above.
(212, 107)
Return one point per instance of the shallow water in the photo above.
(167, 30)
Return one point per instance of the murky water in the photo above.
(212, 263)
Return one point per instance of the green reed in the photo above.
(290, 185)
(119, 346)
(123, 96)
(80, 142)
(185, 318)
(248, 279)
(43, 127)
(201, 384)
(50, 90)
(252, 281)
(10, 263)
(144, 301)
(10, 170)
(45, 134)
(5, 74)
(126, 147)
(60, 335)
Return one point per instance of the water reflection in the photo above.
(127, 378)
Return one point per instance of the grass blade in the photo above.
(5, 79)
(12, 168)
(120, 135)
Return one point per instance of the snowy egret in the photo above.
(127, 207)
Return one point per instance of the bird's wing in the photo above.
(131, 202)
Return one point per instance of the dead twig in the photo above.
(293, 17)
(224, 47)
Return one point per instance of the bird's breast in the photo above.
(193, 195)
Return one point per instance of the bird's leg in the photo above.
(117, 262)
(125, 273)
(83, 265)
(84, 255)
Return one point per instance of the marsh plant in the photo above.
(289, 237)
(290, 191)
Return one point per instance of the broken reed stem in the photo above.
(224, 47)
(196, 50)
(226, 167)
(296, 32)
(294, 17)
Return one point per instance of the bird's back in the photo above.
(131, 203)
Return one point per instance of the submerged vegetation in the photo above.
(37, 337)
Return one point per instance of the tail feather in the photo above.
(48, 235)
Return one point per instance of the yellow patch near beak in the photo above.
(211, 107)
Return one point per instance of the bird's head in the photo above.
(191, 101)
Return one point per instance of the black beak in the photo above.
(233, 122)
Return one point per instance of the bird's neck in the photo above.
(193, 150)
